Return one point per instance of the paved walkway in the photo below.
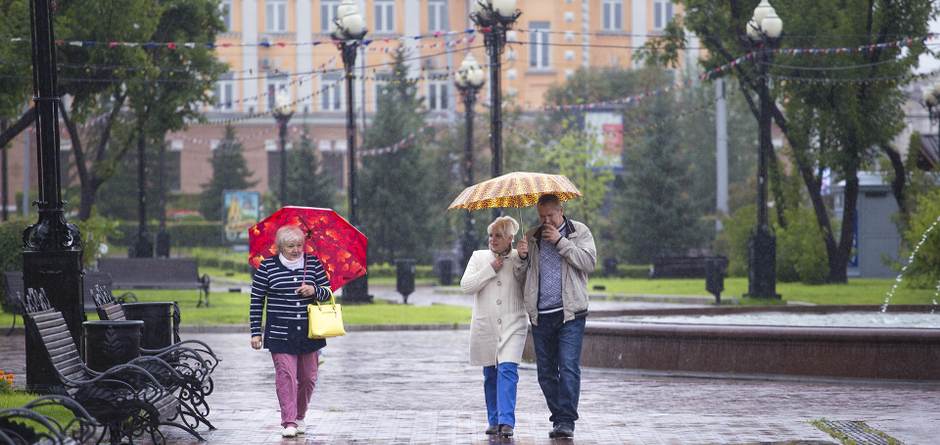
(415, 387)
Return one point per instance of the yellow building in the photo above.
(275, 44)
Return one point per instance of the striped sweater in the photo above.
(276, 284)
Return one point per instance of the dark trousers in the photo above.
(558, 357)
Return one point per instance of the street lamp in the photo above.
(469, 79)
(763, 32)
(932, 101)
(348, 30)
(495, 17)
(52, 255)
(282, 113)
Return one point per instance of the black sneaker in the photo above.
(562, 432)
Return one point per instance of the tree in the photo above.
(828, 119)
(229, 172)
(579, 157)
(306, 185)
(656, 215)
(401, 210)
(128, 89)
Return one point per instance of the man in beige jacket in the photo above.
(553, 262)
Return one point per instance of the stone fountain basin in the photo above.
(736, 350)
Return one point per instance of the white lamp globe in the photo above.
(772, 25)
(353, 23)
(762, 10)
(505, 8)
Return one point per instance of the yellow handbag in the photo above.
(326, 321)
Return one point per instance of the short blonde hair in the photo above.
(287, 234)
(504, 225)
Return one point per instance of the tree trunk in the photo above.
(897, 185)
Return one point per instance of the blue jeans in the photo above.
(558, 357)
(499, 387)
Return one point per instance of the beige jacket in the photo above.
(498, 327)
(578, 258)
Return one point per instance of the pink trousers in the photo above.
(295, 376)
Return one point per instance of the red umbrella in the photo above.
(340, 247)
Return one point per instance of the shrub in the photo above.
(732, 240)
(922, 244)
(801, 250)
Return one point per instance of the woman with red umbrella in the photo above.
(288, 282)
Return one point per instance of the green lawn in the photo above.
(857, 291)
(232, 308)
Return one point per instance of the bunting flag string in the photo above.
(408, 139)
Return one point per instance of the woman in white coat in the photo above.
(499, 324)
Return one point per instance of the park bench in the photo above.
(156, 273)
(17, 424)
(130, 400)
(191, 358)
(13, 283)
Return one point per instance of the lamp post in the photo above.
(282, 113)
(469, 79)
(495, 17)
(143, 248)
(349, 28)
(932, 102)
(52, 255)
(763, 33)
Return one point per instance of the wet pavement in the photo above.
(415, 387)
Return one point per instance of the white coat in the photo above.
(499, 324)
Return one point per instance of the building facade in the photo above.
(274, 45)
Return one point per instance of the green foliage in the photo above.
(182, 233)
(922, 244)
(11, 249)
(306, 185)
(656, 215)
(229, 172)
(732, 240)
(400, 208)
(96, 231)
(801, 252)
(827, 119)
(580, 158)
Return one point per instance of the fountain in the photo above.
(896, 353)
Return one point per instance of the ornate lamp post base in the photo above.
(762, 264)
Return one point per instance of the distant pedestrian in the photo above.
(498, 326)
(553, 263)
(289, 281)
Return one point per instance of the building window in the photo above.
(275, 13)
(437, 96)
(225, 92)
(384, 16)
(437, 16)
(662, 14)
(333, 99)
(275, 83)
(612, 15)
(327, 15)
(225, 10)
(539, 46)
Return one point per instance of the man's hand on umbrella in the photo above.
(522, 247)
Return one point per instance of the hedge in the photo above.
(182, 233)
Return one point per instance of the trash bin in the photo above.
(157, 332)
(405, 277)
(610, 267)
(445, 270)
(109, 343)
(715, 276)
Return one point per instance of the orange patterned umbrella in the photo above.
(517, 189)
(340, 247)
